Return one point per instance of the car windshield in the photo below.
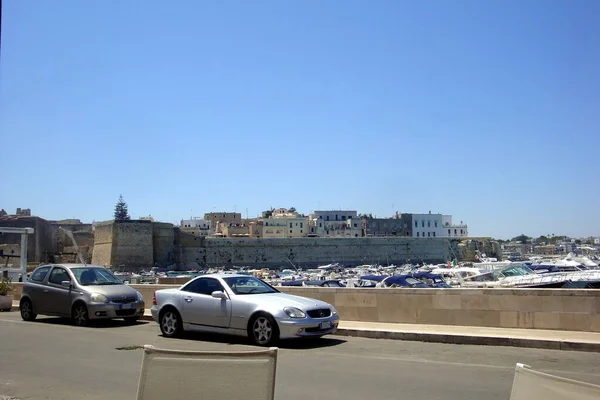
(95, 276)
(248, 285)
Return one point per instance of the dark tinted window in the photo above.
(40, 274)
(58, 275)
(203, 286)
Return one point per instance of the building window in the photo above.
(290, 231)
(428, 234)
(291, 224)
(301, 231)
(343, 217)
(455, 231)
(356, 235)
(300, 224)
(416, 224)
(433, 234)
(320, 224)
(417, 234)
(448, 232)
(355, 225)
(461, 232)
(422, 224)
(328, 218)
(429, 224)
(266, 224)
(435, 224)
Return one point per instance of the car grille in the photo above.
(124, 313)
(319, 313)
(124, 300)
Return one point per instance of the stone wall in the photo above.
(310, 252)
(562, 309)
(558, 309)
(103, 238)
(163, 243)
(40, 246)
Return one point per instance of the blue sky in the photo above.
(486, 110)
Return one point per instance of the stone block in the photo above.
(546, 320)
(435, 317)
(477, 318)
(575, 322)
(394, 308)
(595, 323)
(577, 304)
(355, 299)
(552, 304)
(475, 302)
(348, 313)
(530, 303)
(367, 314)
(446, 302)
(509, 319)
(525, 319)
(503, 302)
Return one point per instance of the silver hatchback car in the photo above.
(81, 292)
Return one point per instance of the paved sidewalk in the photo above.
(534, 338)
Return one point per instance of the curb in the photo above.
(472, 340)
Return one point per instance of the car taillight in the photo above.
(154, 299)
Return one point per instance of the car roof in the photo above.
(70, 266)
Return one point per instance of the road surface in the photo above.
(49, 359)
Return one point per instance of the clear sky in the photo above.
(486, 110)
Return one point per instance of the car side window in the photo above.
(58, 275)
(39, 274)
(204, 286)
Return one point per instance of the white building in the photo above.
(454, 230)
(336, 223)
(437, 225)
(427, 225)
(196, 226)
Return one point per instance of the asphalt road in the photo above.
(49, 359)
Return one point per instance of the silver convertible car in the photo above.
(241, 305)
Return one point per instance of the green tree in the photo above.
(121, 213)
(292, 210)
(522, 238)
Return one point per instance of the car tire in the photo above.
(263, 330)
(170, 323)
(80, 315)
(26, 308)
(131, 320)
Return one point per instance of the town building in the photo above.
(336, 223)
(454, 230)
(225, 217)
(398, 225)
(427, 225)
(196, 226)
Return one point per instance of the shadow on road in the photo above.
(107, 323)
(291, 344)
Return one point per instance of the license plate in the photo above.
(127, 306)
(325, 325)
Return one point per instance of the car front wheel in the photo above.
(26, 308)
(170, 323)
(79, 315)
(263, 330)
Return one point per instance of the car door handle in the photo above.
(188, 299)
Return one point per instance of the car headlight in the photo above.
(99, 298)
(333, 311)
(140, 297)
(293, 312)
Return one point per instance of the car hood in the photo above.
(286, 300)
(111, 290)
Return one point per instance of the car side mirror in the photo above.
(217, 294)
(66, 284)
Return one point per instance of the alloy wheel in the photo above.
(169, 323)
(80, 315)
(263, 330)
